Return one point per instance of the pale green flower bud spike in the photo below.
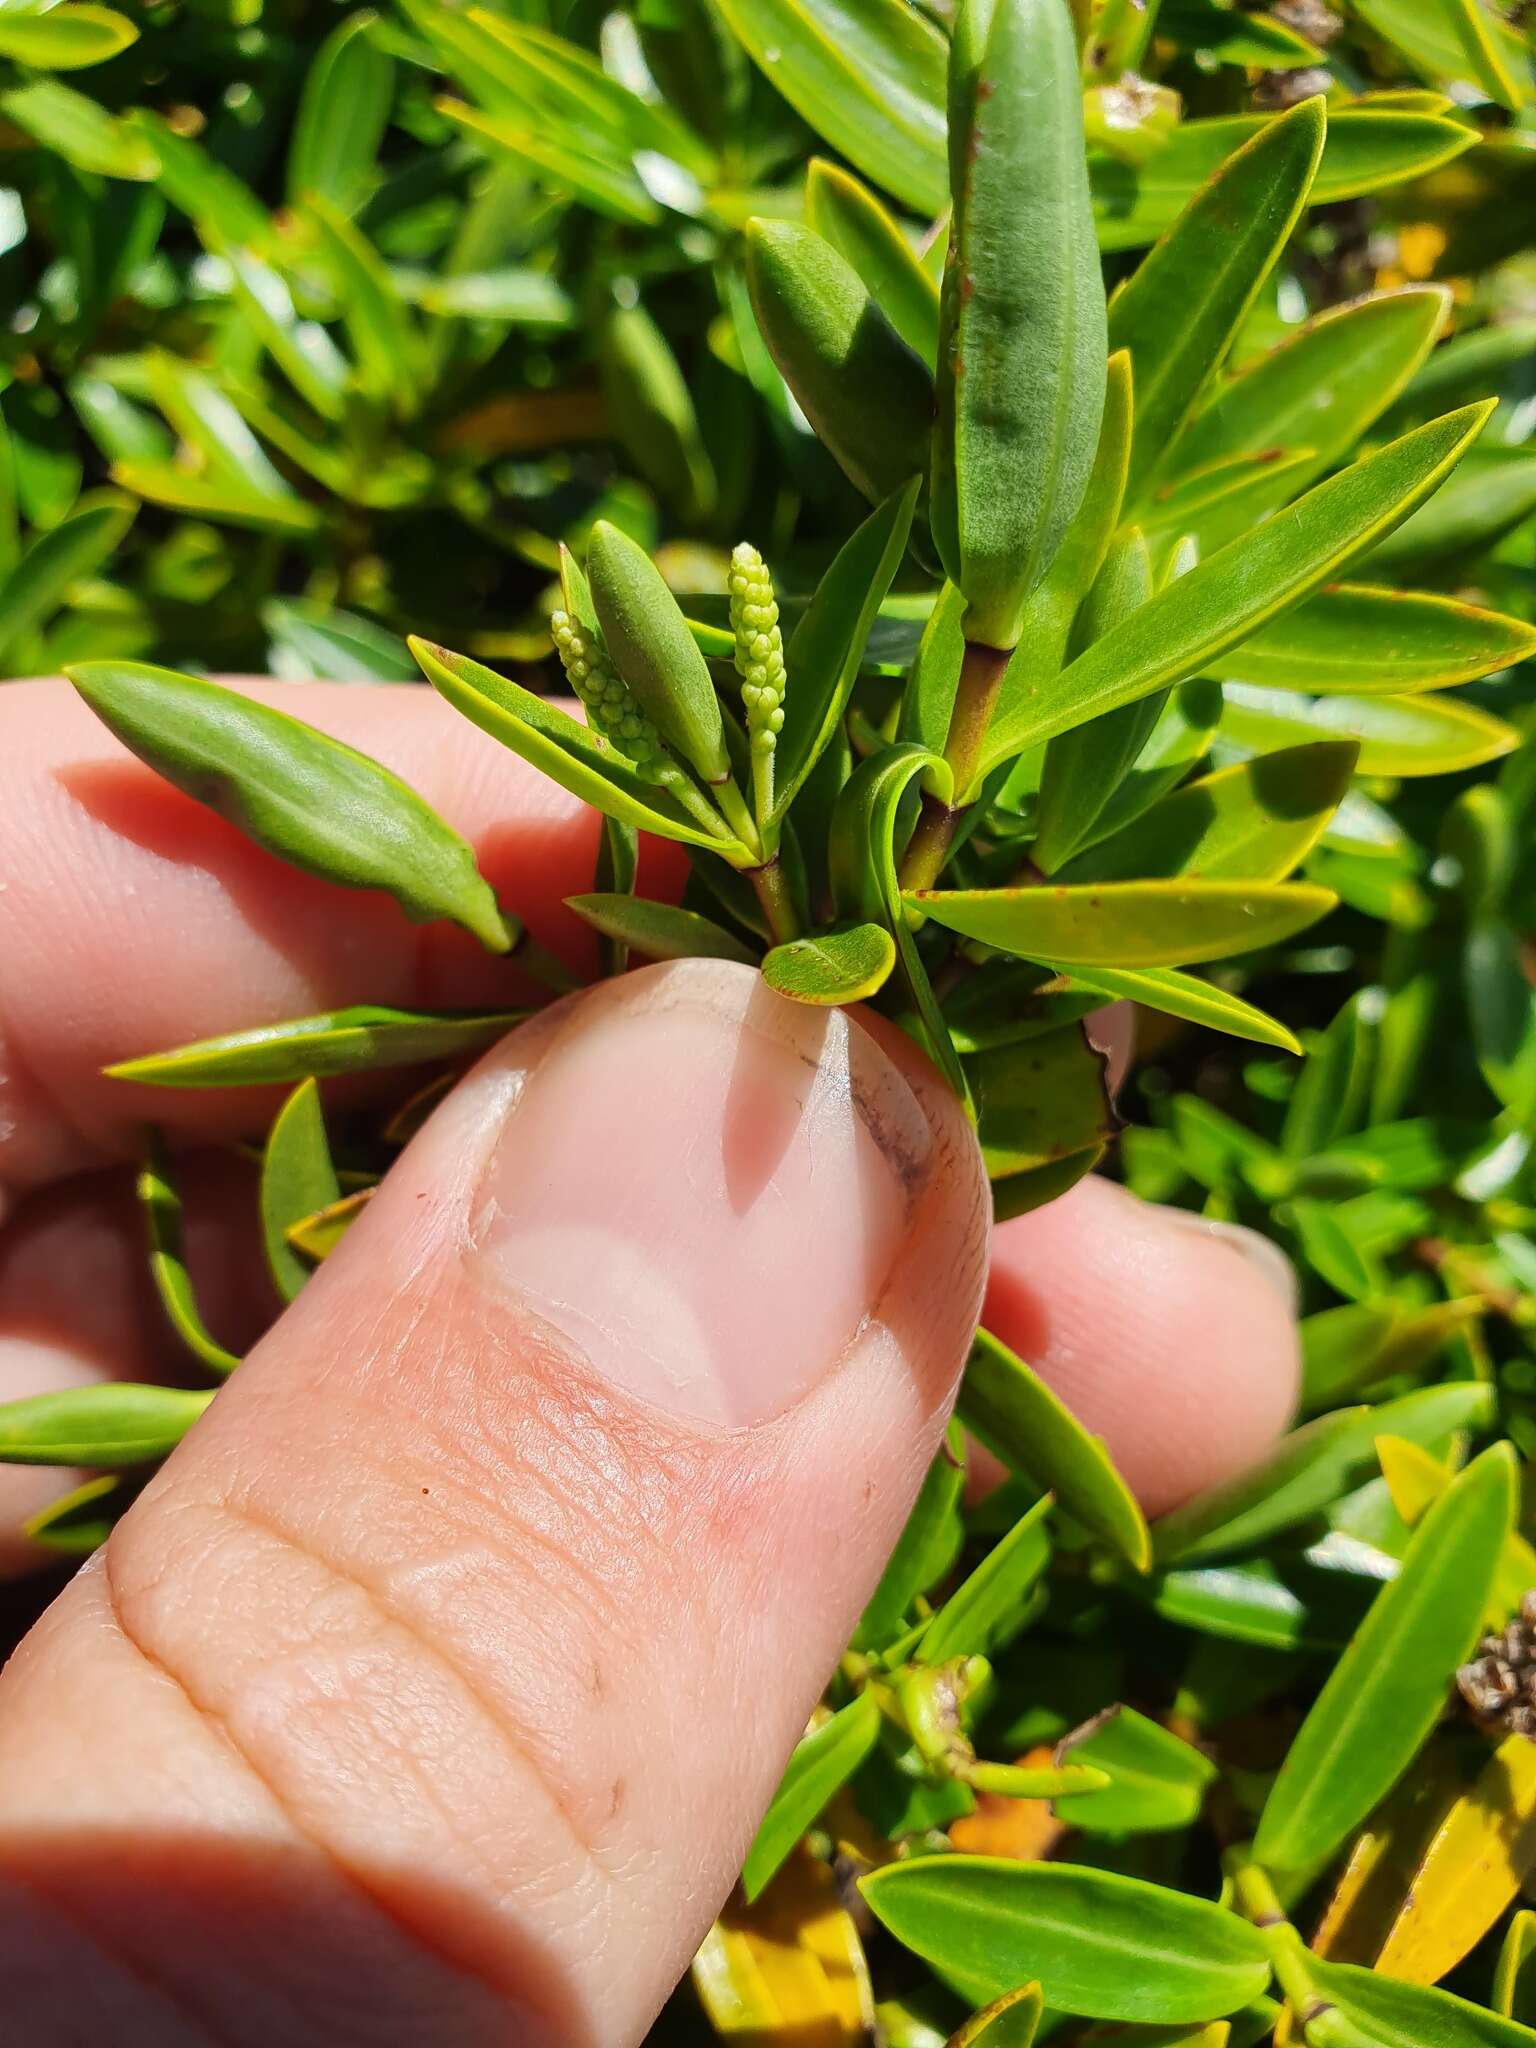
(760, 664)
(614, 713)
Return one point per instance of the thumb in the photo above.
(434, 1689)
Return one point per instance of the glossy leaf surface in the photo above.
(1387, 1691)
(355, 1040)
(318, 804)
(1105, 1946)
(1021, 1421)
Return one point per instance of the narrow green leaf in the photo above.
(1184, 995)
(1449, 40)
(848, 964)
(1156, 1781)
(561, 88)
(1205, 508)
(1054, 608)
(351, 1041)
(80, 131)
(1492, 496)
(1020, 389)
(986, 1608)
(1127, 924)
(1083, 768)
(1256, 820)
(868, 75)
(1185, 729)
(1501, 1006)
(847, 214)
(1025, 1424)
(1332, 1093)
(821, 1765)
(652, 649)
(297, 1178)
(1395, 735)
(653, 413)
(868, 395)
(926, 1549)
(111, 1425)
(1514, 1980)
(1039, 1101)
(343, 112)
(1390, 2014)
(201, 187)
(1352, 637)
(523, 297)
(1310, 1469)
(827, 646)
(305, 797)
(568, 752)
(383, 336)
(317, 640)
(1191, 623)
(81, 1520)
(1322, 386)
(659, 931)
(64, 555)
(216, 496)
(1371, 144)
(560, 158)
(928, 695)
(64, 38)
(1388, 1689)
(1102, 1945)
(162, 1207)
(1181, 308)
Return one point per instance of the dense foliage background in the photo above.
(325, 326)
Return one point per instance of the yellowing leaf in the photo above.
(789, 1970)
(1479, 1858)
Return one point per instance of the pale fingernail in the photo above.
(1261, 1252)
(704, 1187)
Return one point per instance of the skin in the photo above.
(434, 1688)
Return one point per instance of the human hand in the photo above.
(434, 1689)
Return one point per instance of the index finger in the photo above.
(132, 919)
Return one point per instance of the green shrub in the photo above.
(1087, 645)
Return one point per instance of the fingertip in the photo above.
(1174, 1341)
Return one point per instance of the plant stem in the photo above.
(772, 888)
(1288, 1953)
(683, 790)
(976, 693)
(737, 816)
(981, 678)
(762, 786)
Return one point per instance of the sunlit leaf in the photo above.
(297, 1178)
(1105, 1946)
(355, 1040)
(1190, 624)
(161, 1203)
(1178, 313)
(823, 1761)
(989, 1606)
(321, 805)
(1021, 1421)
(868, 77)
(1132, 924)
(847, 964)
(1156, 1781)
(1387, 1691)
(111, 1425)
